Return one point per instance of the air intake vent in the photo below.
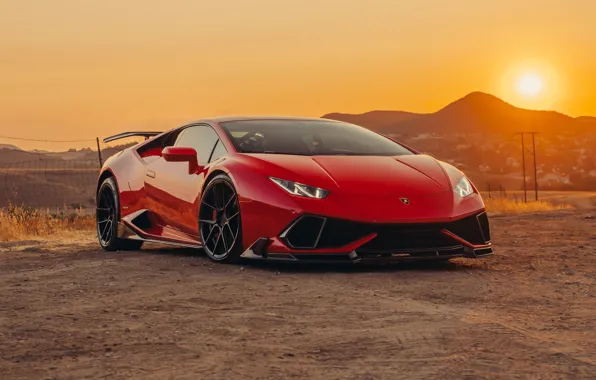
(468, 228)
(305, 232)
(484, 226)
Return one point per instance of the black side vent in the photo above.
(142, 221)
(305, 232)
(484, 226)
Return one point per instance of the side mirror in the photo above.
(182, 154)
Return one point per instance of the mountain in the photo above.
(476, 112)
(378, 120)
(9, 147)
(586, 119)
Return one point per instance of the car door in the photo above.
(172, 189)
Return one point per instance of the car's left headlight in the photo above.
(300, 189)
(464, 188)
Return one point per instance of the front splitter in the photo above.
(354, 258)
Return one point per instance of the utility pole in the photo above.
(99, 153)
(523, 150)
(535, 167)
(533, 151)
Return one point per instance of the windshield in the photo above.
(309, 137)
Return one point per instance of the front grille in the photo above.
(306, 233)
(389, 238)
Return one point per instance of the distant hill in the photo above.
(586, 119)
(18, 156)
(11, 154)
(476, 112)
(378, 120)
(9, 147)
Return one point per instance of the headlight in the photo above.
(464, 188)
(300, 189)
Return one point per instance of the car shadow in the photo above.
(298, 267)
(425, 265)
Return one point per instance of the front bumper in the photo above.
(355, 257)
(312, 238)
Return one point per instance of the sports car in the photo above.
(287, 188)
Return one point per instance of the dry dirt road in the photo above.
(70, 311)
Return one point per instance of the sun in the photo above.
(530, 84)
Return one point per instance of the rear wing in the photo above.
(124, 135)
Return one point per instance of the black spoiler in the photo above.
(124, 135)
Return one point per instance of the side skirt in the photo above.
(153, 233)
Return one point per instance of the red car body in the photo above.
(377, 207)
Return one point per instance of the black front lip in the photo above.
(355, 257)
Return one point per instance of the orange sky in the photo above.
(73, 69)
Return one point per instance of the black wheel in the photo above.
(220, 226)
(107, 218)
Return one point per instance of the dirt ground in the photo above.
(71, 311)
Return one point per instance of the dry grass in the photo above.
(504, 205)
(20, 223)
(24, 223)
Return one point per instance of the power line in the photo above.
(41, 140)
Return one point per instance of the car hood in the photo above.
(405, 176)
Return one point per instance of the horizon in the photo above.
(78, 70)
(89, 142)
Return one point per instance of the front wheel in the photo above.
(108, 217)
(220, 226)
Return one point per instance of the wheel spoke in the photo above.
(207, 221)
(111, 228)
(112, 205)
(104, 221)
(231, 232)
(229, 201)
(209, 235)
(208, 205)
(216, 242)
(215, 198)
(105, 230)
(103, 209)
(223, 239)
(233, 216)
(223, 197)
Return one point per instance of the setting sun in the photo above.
(530, 84)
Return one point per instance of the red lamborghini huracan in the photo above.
(281, 188)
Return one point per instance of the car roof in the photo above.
(223, 119)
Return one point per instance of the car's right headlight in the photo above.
(464, 188)
(300, 189)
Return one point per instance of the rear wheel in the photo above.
(220, 226)
(108, 217)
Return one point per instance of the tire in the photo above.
(220, 224)
(107, 218)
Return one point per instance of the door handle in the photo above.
(150, 173)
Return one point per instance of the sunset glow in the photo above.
(77, 70)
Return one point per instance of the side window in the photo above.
(219, 151)
(200, 137)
